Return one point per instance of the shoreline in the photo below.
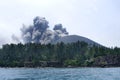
(62, 67)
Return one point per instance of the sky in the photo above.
(97, 20)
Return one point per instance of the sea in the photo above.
(60, 73)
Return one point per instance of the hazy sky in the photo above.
(98, 20)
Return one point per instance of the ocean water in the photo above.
(59, 73)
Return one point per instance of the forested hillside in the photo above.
(77, 54)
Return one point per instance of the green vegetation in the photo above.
(77, 54)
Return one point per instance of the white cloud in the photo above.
(38, 3)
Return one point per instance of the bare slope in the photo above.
(75, 38)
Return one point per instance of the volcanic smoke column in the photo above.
(39, 32)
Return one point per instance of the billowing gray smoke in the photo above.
(39, 32)
(59, 28)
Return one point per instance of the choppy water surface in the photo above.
(59, 73)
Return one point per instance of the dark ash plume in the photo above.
(27, 33)
(39, 32)
(40, 23)
(59, 27)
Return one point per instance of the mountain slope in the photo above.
(75, 38)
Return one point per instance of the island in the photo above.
(78, 54)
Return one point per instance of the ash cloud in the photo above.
(39, 32)
(15, 39)
(59, 28)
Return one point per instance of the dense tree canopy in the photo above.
(73, 54)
